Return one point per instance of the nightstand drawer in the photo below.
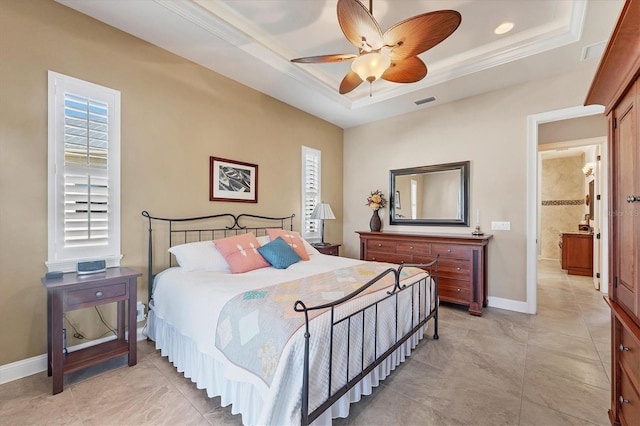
(331, 250)
(381, 245)
(100, 294)
(451, 250)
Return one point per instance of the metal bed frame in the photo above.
(426, 309)
(181, 235)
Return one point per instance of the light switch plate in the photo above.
(501, 226)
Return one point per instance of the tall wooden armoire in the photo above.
(617, 87)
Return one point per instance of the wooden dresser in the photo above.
(462, 265)
(617, 87)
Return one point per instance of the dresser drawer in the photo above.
(454, 268)
(628, 402)
(101, 294)
(413, 247)
(378, 256)
(451, 250)
(381, 245)
(629, 353)
(452, 291)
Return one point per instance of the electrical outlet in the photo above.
(141, 314)
(501, 226)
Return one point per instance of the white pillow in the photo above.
(200, 256)
(264, 239)
(310, 249)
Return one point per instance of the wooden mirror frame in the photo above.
(462, 220)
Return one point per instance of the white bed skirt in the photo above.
(207, 372)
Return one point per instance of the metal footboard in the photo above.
(422, 310)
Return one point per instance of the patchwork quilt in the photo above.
(255, 326)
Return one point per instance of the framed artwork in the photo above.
(231, 180)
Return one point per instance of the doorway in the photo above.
(571, 200)
(533, 196)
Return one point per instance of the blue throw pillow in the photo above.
(279, 254)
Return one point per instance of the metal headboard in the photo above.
(211, 227)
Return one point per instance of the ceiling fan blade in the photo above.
(340, 57)
(407, 70)
(420, 33)
(350, 82)
(358, 26)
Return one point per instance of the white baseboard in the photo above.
(27, 367)
(509, 304)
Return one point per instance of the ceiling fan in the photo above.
(391, 55)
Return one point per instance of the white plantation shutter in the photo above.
(311, 195)
(86, 205)
(84, 173)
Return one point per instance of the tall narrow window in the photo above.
(311, 193)
(84, 173)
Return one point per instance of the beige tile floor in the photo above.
(503, 368)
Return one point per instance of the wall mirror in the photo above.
(435, 195)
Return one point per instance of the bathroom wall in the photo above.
(563, 201)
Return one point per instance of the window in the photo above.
(84, 173)
(311, 178)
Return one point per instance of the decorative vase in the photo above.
(375, 224)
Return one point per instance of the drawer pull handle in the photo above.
(379, 245)
(622, 400)
(458, 268)
(411, 248)
(633, 198)
(458, 290)
(98, 294)
(623, 348)
(373, 258)
(448, 250)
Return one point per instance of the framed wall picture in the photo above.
(231, 180)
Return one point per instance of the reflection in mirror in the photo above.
(431, 195)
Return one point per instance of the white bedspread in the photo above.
(183, 320)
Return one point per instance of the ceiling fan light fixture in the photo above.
(371, 66)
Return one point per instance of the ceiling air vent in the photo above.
(425, 100)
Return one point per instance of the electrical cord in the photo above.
(80, 336)
(105, 323)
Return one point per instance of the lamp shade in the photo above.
(370, 66)
(322, 211)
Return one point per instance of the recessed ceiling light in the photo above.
(503, 28)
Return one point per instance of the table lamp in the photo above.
(322, 211)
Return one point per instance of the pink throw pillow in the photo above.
(241, 252)
(292, 238)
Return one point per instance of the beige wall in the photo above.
(572, 129)
(175, 114)
(491, 131)
(562, 182)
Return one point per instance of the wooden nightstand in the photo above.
(330, 249)
(74, 291)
